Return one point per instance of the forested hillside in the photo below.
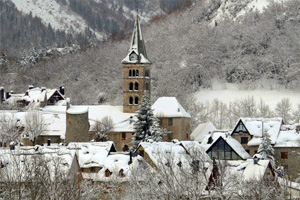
(41, 24)
(187, 51)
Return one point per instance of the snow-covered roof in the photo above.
(76, 110)
(34, 95)
(259, 126)
(55, 123)
(18, 163)
(123, 122)
(91, 154)
(137, 46)
(288, 138)
(117, 162)
(202, 130)
(233, 143)
(169, 107)
(244, 170)
(179, 151)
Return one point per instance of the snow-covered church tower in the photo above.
(136, 71)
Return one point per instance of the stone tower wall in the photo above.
(77, 128)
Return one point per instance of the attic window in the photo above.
(108, 173)
(121, 173)
(179, 164)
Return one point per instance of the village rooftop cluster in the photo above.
(94, 143)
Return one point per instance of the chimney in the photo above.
(210, 140)
(62, 90)
(131, 120)
(48, 142)
(11, 92)
(30, 87)
(7, 95)
(43, 89)
(255, 160)
(12, 146)
(2, 97)
(68, 103)
(130, 158)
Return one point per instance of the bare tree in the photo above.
(34, 125)
(103, 128)
(9, 128)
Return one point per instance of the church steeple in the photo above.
(137, 51)
(136, 70)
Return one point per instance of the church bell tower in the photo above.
(136, 71)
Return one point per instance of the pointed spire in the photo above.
(137, 45)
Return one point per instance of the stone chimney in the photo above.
(30, 87)
(68, 105)
(2, 97)
(62, 90)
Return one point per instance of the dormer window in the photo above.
(108, 173)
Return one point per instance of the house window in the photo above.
(93, 169)
(130, 100)
(284, 155)
(137, 73)
(108, 173)
(123, 136)
(136, 100)
(136, 86)
(221, 150)
(244, 140)
(130, 86)
(130, 73)
(121, 173)
(241, 128)
(141, 152)
(170, 121)
(248, 151)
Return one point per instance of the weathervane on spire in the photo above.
(137, 8)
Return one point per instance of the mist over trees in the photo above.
(259, 50)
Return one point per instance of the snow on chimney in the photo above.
(30, 87)
(68, 103)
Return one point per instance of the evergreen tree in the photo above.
(266, 150)
(146, 127)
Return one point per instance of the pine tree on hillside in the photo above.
(146, 127)
(266, 150)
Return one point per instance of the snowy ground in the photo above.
(231, 93)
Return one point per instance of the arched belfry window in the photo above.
(130, 73)
(136, 100)
(130, 86)
(137, 72)
(130, 100)
(133, 72)
(136, 86)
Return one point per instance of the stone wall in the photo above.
(77, 128)
(142, 81)
(250, 149)
(181, 128)
(291, 163)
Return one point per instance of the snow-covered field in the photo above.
(231, 93)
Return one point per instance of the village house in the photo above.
(249, 131)
(40, 167)
(221, 146)
(235, 174)
(40, 96)
(201, 131)
(175, 153)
